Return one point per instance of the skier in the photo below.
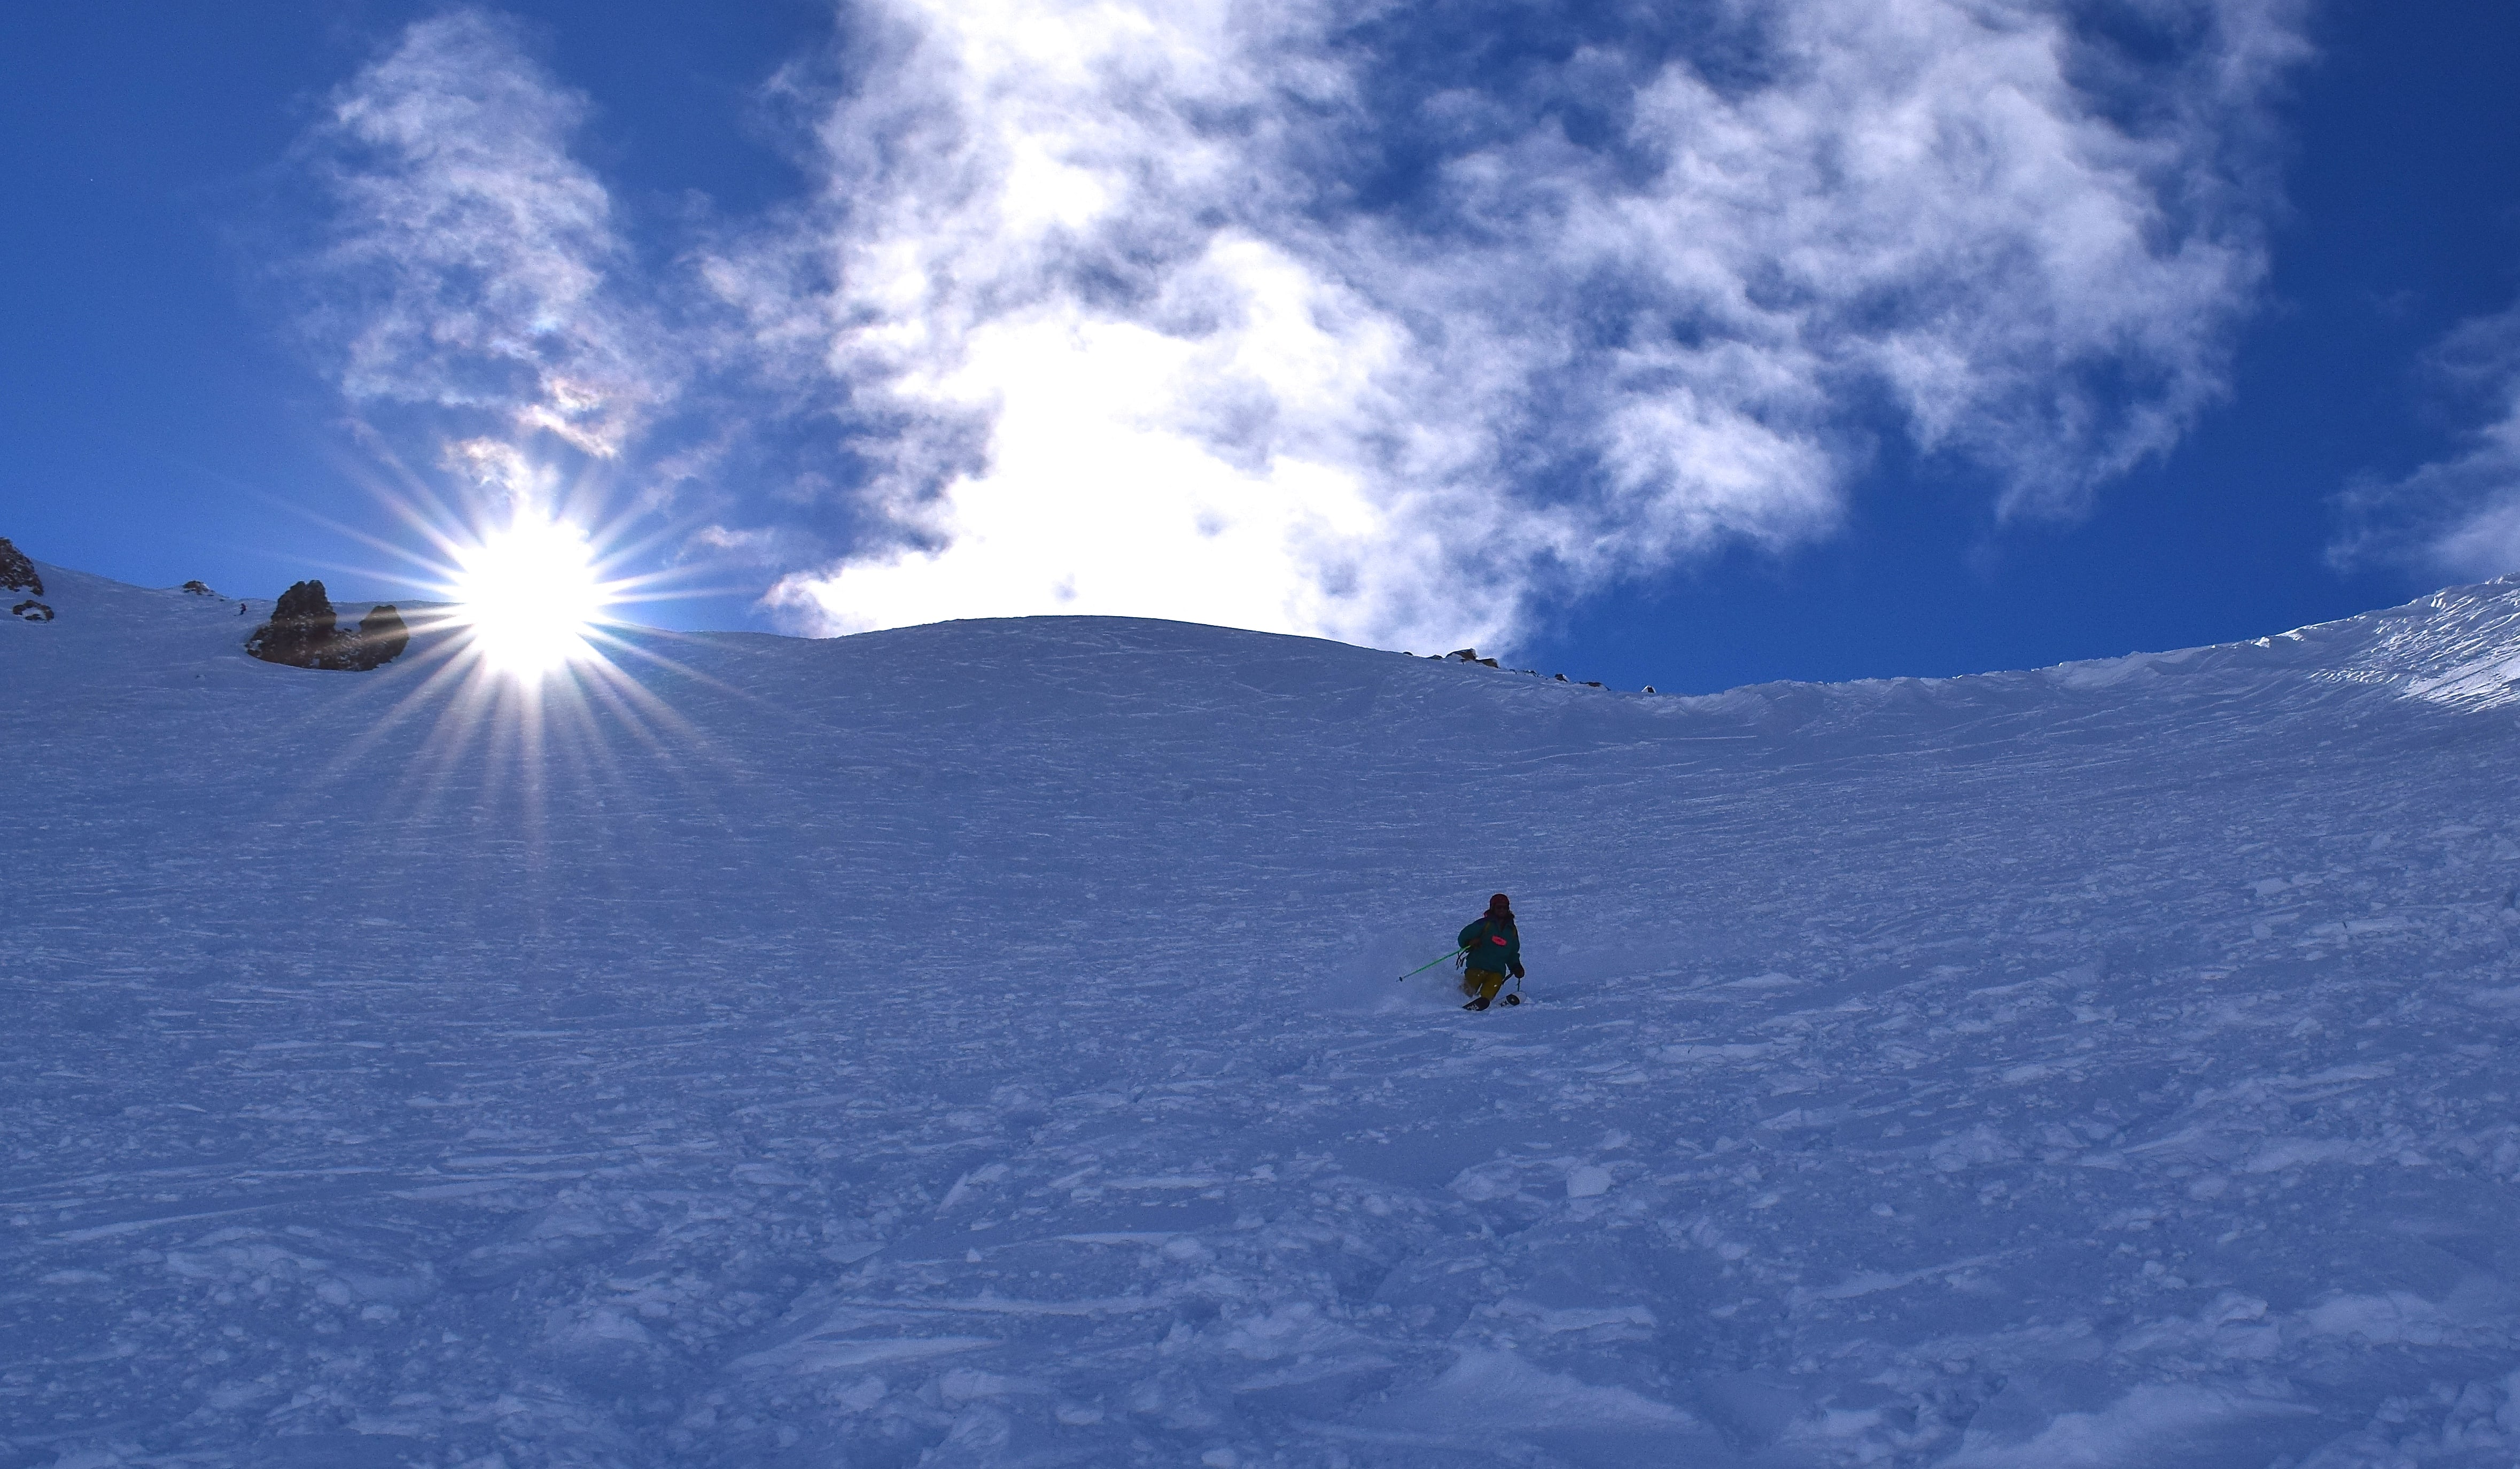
(1491, 950)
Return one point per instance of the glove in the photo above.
(1516, 968)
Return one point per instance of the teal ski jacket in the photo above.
(1493, 947)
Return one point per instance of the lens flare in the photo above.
(529, 595)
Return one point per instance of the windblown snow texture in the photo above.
(976, 1044)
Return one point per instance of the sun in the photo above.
(529, 595)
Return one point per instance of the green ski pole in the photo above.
(1432, 962)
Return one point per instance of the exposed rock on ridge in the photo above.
(304, 632)
(18, 574)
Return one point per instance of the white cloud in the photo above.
(2458, 516)
(1263, 316)
(1109, 286)
(471, 265)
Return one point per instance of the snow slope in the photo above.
(976, 1044)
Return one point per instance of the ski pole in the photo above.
(1432, 962)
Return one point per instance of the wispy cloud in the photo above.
(2457, 516)
(473, 270)
(1283, 317)
(1334, 320)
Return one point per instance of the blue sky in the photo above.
(1685, 345)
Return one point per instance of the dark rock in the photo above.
(17, 573)
(30, 609)
(302, 632)
(1465, 654)
(381, 638)
(198, 588)
(1561, 678)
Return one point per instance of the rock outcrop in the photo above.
(198, 588)
(302, 629)
(380, 640)
(304, 632)
(18, 574)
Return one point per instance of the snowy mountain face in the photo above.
(978, 1044)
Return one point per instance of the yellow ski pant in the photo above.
(1481, 984)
